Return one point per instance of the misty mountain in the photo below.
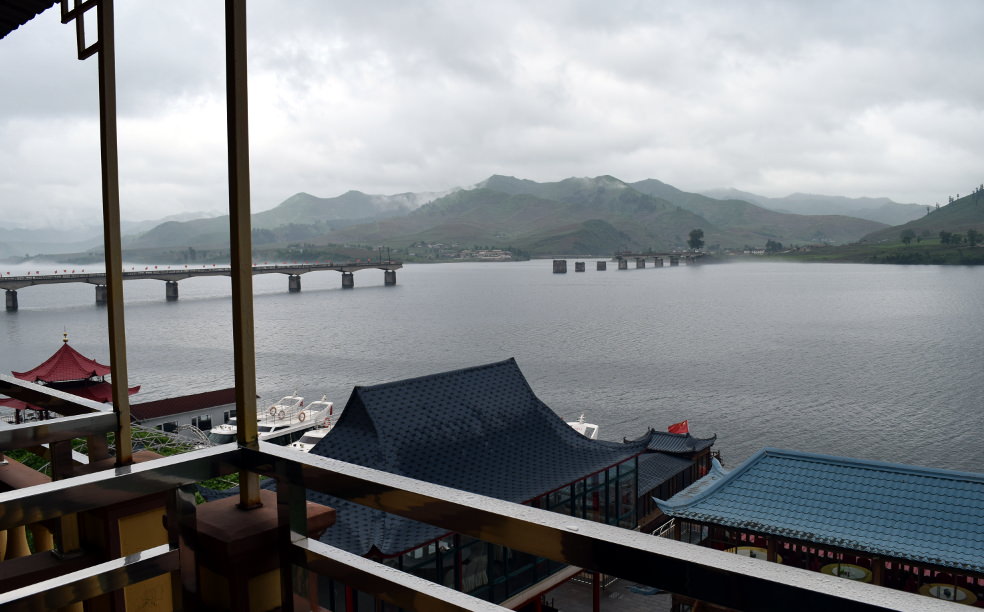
(594, 215)
(882, 210)
(300, 217)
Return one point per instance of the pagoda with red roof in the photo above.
(70, 371)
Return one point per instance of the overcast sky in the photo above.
(869, 98)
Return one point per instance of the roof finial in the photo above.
(65, 337)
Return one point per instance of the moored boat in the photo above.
(588, 430)
(284, 422)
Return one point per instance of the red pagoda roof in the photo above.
(66, 364)
(100, 392)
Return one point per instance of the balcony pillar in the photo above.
(236, 568)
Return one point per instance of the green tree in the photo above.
(696, 240)
(907, 236)
(945, 237)
(772, 246)
(973, 237)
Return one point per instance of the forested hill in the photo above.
(595, 215)
(959, 216)
(574, 216)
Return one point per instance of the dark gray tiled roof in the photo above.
(887, 509)
(666, 442)
(656, 468)
(480, 429)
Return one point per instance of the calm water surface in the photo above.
(879, 362)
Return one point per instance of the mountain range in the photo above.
(575, 216)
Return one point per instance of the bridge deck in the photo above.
(13, 283)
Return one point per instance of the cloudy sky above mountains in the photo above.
(868, 98)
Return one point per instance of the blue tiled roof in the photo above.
(893, 510)
(478, 429)
(666, 442)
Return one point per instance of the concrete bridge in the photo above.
(171, 275)
(622, 259)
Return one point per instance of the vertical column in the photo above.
(389, 277)
(348, 280)
(579, 266)
(658, 262)
(171, 291)
(101, 295)
(11, 300)
(623, 264)
(640, 262)
(294, 283)
(674, 260)
(240, 240)
(560, 266)
(601, 266)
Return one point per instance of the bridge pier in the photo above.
(623, 264)
(579, 266)
(294, 283)
(601, 266)
(658, 262)
(674, 260)
(640, 262)
(560, 266)
(348, 280)
(11, 300)
(389, 277)
(100, 295)
(171, 291)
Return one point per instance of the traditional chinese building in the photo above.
(900, 526)
(483, 430)
(66, 370)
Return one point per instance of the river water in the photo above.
(878, 362)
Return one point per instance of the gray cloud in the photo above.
(869, 98)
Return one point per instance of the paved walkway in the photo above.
(623, 596)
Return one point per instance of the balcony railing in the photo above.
(702, 573)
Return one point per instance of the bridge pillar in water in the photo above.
(171, 291)
(601, 266)
(674, 260)
(348, 280)
(389, 277)
(560, 266)
(11, 300)
(658, 262)
(294, 283)
(100, 295)
(640, 262)
(579, 266)
(623, 264)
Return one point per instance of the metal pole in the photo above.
(112, 243)
(241, 242)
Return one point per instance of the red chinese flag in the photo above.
(681, 428)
